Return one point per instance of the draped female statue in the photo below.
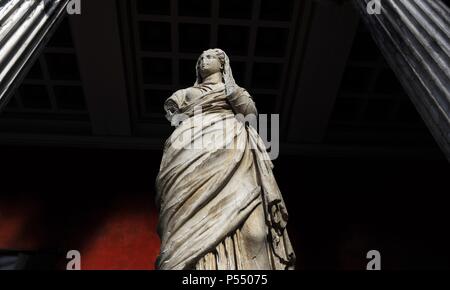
(219, 207)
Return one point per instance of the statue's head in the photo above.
(213, 61)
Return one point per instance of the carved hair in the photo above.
(227, 75)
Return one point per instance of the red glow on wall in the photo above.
(118, 234)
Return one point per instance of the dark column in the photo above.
(331, 30)
(25, 26)
(414, 37)
(97, 40)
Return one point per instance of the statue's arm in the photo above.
(172, 105)
(241, 102)
(171, 109)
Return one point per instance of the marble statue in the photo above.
(219, 208)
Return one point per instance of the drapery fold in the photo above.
(216, 192)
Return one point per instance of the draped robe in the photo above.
(219, 206)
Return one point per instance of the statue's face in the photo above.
(209, 64)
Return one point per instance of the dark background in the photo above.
(82, 137)
(340, 208)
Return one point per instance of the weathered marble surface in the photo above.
(220, 207)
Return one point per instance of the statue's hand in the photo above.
(241, 101)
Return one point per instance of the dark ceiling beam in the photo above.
(327, 45)
(98, 44)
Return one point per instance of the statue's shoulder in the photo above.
(180, 92)
(177, 97)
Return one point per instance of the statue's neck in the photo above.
(214, 78)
